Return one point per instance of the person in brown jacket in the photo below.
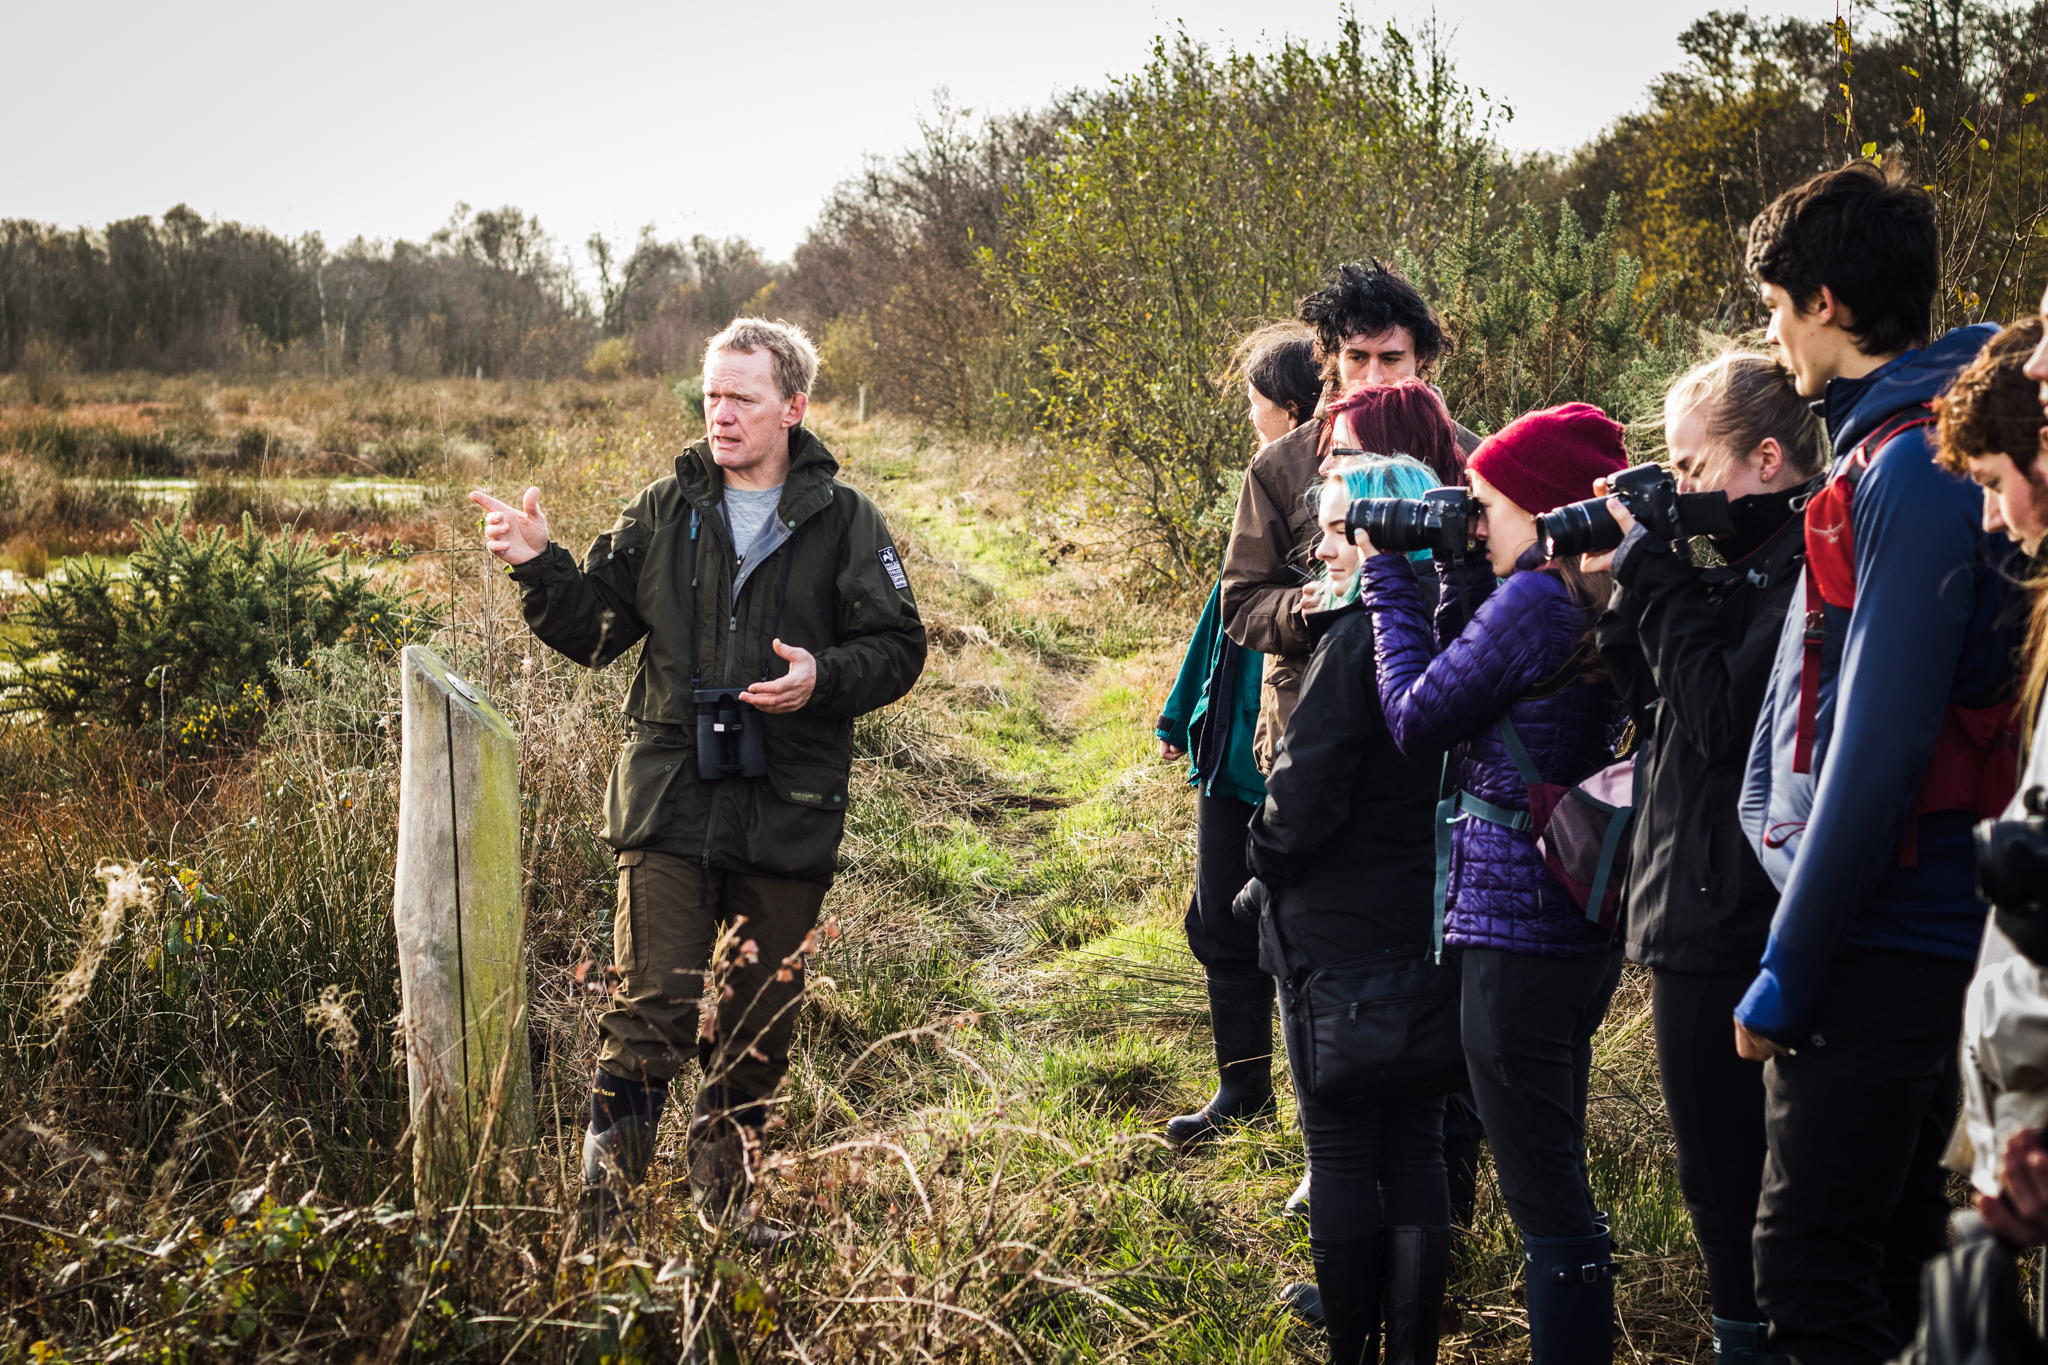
(1372, 327)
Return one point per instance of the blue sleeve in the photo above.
(1916, 548)
(1179, 709)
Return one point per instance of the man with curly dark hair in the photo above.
(1372, 327)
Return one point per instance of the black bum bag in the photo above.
(1379, 1027)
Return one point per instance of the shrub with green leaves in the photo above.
(195, 633)
(1186, 204)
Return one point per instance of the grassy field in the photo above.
(205, 1155)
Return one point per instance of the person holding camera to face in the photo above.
(774, 609)
(1690, 651)
(1519, 698)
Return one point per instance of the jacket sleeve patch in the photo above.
(893, 567)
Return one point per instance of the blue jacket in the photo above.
(1931, 626)
(1232, 769)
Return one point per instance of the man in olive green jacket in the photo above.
(749, 568)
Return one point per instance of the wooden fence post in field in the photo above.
(461, 950)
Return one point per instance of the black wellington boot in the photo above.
(1241, 1018)
(1418, 1266)
(1571, 1300)
(1348, 1277)
(617, 1147)
(1745, 1343)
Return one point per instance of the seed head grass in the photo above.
(208, 1152)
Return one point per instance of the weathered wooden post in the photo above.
(461, 950)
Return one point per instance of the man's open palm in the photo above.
(513, 534)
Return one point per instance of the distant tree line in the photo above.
(1077, 272)
(489, 291)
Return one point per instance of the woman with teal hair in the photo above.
(1344, 854)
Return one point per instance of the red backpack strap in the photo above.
(1831, 566)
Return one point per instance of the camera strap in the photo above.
(788, 553)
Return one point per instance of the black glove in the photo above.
(1250, 903)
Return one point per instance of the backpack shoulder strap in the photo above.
(1920, 415)
(1517, 751)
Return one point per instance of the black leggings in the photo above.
(1529, 1024)
(1218, 941)
(1374, 1166)
(1716, 1102)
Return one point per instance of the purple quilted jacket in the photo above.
(1501, 896)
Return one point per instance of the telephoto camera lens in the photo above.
(1577, 528)
(1396, 524)
(1441, 521)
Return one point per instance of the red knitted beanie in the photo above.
(1547, 458)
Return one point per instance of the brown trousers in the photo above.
(670, 914)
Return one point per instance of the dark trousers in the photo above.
(1373, 1165)
(1529, 1024)
(670, 914)
(1854, 1198)
(1218, 941)
(1716, 1103)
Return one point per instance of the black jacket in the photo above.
(1690, 651)
(1344, 841)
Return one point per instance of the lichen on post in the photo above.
(460, 923)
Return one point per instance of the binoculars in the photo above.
(729, 738)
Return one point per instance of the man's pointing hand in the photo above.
(513, 534)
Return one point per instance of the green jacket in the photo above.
(1191, 713)
(848, 603)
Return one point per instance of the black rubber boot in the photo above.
(1745, 1343)
(1571, 1300)
(1241, 1018)
(1348, 1276)
(617, 1147)
(1418, 1266)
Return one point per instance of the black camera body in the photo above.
(1440, 521)
(729, 738)
(1651, 495)
(2012, 875)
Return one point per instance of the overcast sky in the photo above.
(376, 117)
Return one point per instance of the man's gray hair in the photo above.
(796, 358)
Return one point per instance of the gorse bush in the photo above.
(196, 633)
(1538, 318)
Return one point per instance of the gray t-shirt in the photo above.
(748, 511)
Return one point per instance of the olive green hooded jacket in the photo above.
(848, 603)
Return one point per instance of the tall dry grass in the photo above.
(207, 1150)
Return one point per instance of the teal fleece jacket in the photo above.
(1189, 704)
